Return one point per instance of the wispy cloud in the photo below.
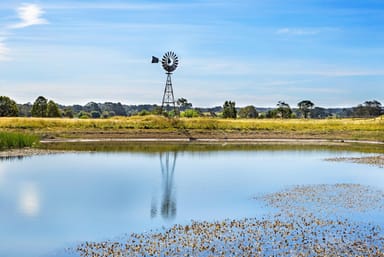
(306, 31)
(3, 52)
(298, 31)
(112, 5)
(30, 14)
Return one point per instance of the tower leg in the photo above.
(168, 102)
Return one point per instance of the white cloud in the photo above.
(30, 14)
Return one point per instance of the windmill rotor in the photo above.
(170, 61)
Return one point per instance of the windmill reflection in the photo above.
(168, 200)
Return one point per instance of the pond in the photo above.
(51, 202)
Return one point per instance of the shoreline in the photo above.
(213, 140)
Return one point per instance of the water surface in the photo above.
(53, 201)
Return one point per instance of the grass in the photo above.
(358, 129)
(17, 140)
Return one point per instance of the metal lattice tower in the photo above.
(169, 63)
(168, 98)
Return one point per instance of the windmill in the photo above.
(169, 63)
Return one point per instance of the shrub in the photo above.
(190, 114)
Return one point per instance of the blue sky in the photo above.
(253, 52)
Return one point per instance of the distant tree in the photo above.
(248, 112)
(8, 107)
(92, 106)
(25, 109)
(183, 104)
(229, 110)
(305, 107)
(95, 115)
(84, 115)
(262, 115)
(157, 110)
(283, 110)
(105, 115)
(116, 108)
(77, 108)
(39, 108)
(53, 109)
(346, 112)
(368, 109)
(320, 113)
(67, 112)
(272, 114)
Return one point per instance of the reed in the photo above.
(17, 140)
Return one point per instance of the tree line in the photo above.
(305, 109)
(43, 107)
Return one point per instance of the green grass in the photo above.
(17, 140)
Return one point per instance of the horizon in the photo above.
(253, 53)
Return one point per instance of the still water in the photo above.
(53, 201)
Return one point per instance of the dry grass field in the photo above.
(161, 127)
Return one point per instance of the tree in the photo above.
(84, 115)
(8, 107)
(283, 110)
(229, 110)
(183, 104)
(248, 112)
(320, 113)
(25, 109)
(271, 114)
(67, 112)
(39, 108)
(92, 106)
(305, 107)
(368, 109)
(53, 109)
(95, 115)
(115, 108)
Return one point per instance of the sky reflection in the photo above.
(48, 202)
